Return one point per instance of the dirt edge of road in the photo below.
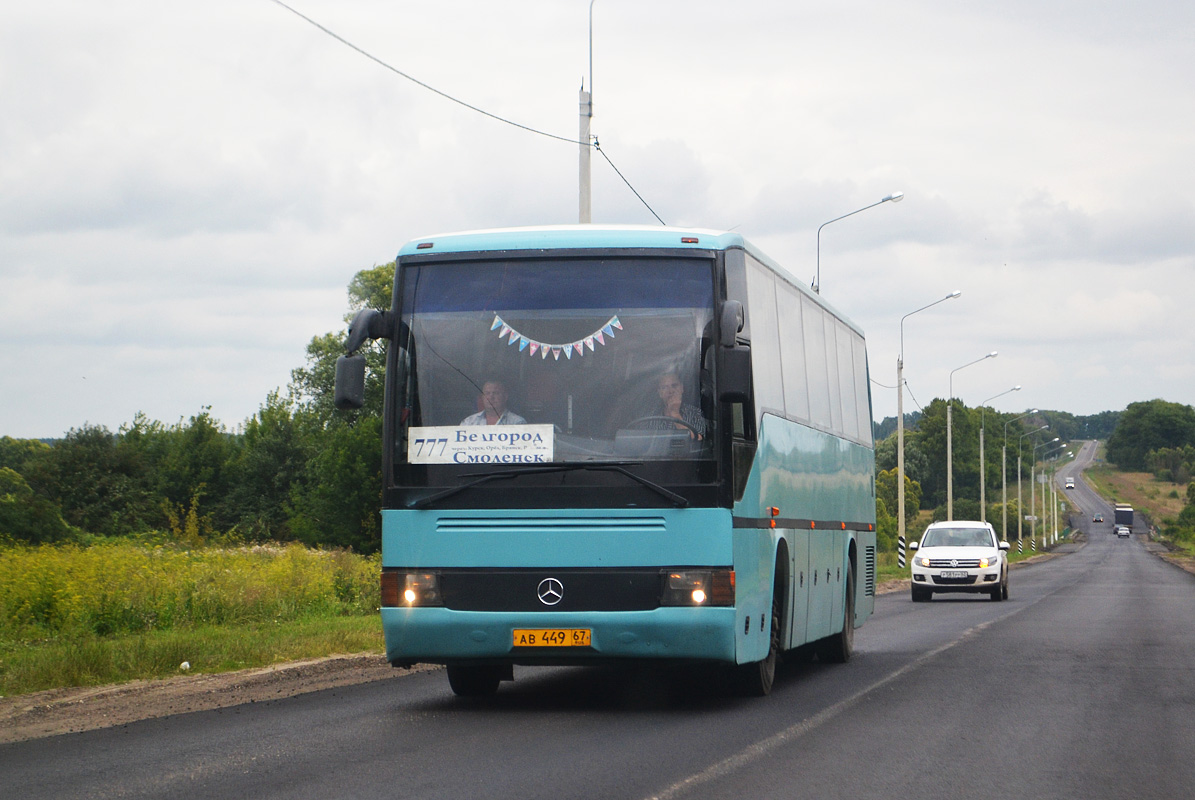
(59, 711)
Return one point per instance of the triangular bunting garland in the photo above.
(532, 347)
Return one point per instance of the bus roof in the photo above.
(573, 236)
(597, 237)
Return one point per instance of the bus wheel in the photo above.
(473, 681)
(756, 679)
(837, 649)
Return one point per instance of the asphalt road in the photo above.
(1080, 686)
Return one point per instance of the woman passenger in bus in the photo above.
(672, 392)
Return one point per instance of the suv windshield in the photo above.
(567, 360)
(958, 537)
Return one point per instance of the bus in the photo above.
(678, 464)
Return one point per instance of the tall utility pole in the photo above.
(584, 215)
(584, 208)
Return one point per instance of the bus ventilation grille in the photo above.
(869, 571)
(564, 525)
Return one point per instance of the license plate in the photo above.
(551, 637)
(952, 574)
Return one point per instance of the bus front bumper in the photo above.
(443, 636)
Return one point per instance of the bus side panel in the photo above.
(825, 590)
(754, 572)
(808, 474)
(798, 544)
(865, 575)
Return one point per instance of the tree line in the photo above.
(298, 470)
(301, 470)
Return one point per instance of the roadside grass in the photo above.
(1141, 490)
(116, 611)
(97, 661)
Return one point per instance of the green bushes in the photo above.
(118, 588)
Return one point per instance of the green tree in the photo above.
(1149, 426)
(313, 385)
(98, 486)
(17, 454)
(25, 517)
(886, 490)
(338, 501)
(270, 463)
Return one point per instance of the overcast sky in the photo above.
(186, 189)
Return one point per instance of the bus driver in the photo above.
(494, 412)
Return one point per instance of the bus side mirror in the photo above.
(731, 322)
(734, 374)
(350, 382)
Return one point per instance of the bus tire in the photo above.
(475, 681)
(837, 649)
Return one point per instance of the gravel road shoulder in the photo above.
(57, 711)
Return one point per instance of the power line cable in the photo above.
(594, 144)
(418, 82)
(598, 147)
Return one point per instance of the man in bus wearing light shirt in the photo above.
(495, 411)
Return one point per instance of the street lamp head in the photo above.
(955, 293)
(1017, 388)
(991, 354)
(895, 197)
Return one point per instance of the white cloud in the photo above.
(188, 190)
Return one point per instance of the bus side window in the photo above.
(742, 445)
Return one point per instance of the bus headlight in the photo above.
(407, 589)
(698, 587)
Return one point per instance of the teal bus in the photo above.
(605, 444)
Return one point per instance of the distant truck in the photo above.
(1124, 515)
(1070, 483)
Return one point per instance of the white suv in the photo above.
(959, 556)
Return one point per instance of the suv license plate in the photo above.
(953, 574)
(551, 637)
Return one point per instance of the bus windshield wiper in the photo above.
(613, 466)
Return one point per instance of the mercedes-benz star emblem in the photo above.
(550, 591)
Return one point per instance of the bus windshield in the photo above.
(598, 359)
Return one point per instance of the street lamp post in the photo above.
(983, 467)
(1004, 475)
(950, 436)
(1020, 507)
(895, 197)
(900, 431)
(1033, 495)
(1045, 527)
